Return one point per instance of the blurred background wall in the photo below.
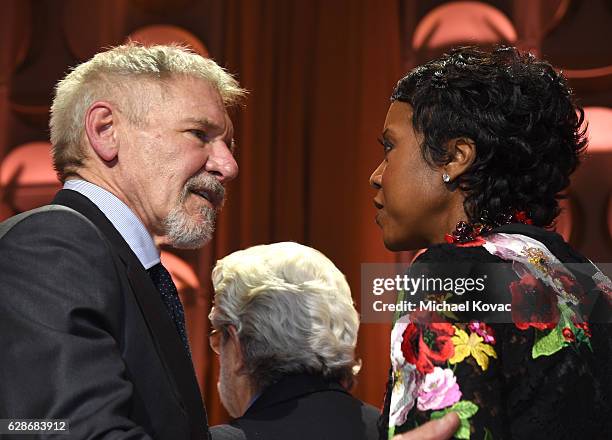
(320, 74)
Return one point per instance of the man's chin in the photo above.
(188, 241)
(184, 231)
(227, 403)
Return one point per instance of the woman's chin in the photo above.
(405, 244)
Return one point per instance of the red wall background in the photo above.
(320, 74)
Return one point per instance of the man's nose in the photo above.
(221, 162)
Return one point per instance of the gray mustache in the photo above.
(209, 184)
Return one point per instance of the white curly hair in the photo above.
(292, 309)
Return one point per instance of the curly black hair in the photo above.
(522, 117)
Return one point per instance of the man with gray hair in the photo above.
(91, 328)
(285, 330)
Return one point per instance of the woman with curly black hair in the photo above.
(478, 147)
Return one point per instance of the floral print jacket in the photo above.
(544, 372)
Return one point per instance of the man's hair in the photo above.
(521, 115)
(292, 309)
(123, 75)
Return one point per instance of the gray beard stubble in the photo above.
(182, 231)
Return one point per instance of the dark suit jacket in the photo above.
(84, 334)
(303, 407)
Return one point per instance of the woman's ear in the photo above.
(100, 130)
(461, 155)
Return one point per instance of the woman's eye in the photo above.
(387, 146)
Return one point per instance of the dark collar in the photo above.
(291, 387)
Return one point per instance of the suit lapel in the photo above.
(163, 332)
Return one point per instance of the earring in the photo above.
(446, 178)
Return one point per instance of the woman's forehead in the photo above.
(399, 119)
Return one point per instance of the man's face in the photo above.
(226, 387)
(231, 385)
(174, 167)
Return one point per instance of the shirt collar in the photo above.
(123, 219)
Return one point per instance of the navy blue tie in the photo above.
(163, 281)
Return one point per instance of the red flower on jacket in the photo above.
(477, 241)
(424, 345)
(533, 304)
(570, 286)
(584, 326)
(568, 334)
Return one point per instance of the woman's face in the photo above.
(412, 201)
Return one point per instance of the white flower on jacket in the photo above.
(406, 378)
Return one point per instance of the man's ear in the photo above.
(461, 155)
(235, 347)
(101, 131)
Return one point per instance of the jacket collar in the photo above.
(291, 387)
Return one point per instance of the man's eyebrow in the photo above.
(204, 123)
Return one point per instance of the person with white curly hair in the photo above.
(285, 330)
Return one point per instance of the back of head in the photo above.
(123, 75)
(521, 116)
(292, 309)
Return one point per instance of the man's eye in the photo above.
(200, 135)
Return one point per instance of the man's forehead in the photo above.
(201, 97)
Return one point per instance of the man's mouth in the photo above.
(209, 196)
(378, 205)
(208, 188)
